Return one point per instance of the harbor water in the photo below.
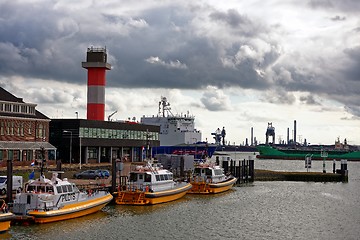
(260, 210)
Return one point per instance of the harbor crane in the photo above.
(112, 114)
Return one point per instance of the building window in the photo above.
(8, 128)
(92, 153)
(16, 108)
(2, 131)
(40, 131)
(7, 107)
(10, 154)
(23, 109)
(12, 128)
(22, 129)
(29, 129)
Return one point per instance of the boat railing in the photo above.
(138, 187)
(200, 179)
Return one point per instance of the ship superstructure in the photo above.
(174, 129)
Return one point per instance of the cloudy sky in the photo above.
(233, 64)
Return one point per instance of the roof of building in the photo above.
(8, 97)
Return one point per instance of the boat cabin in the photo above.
(154, 178)
(209, 173)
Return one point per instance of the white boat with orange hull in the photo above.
(5, 217)
(49, 200)
(209, 178)
(150, 184)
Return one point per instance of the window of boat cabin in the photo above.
(64, 188)
(69, 188)
(218, 171)
(162, 177)
(157, 177)
(147, 177)
(208, 172)
(141, 176)
(59, 189)
(197, 171)
(31, 188)
(41, 189)
(49, 189)
(166, 176)
(133, 177)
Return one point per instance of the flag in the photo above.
(32, 175)
(33, 163)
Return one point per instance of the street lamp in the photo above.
(235, 152)
(66, 131)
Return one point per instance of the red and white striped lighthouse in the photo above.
(96, 65)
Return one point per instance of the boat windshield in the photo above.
(2, 179)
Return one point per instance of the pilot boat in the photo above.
(209, 178)
(5, 217)
(48, 200)
(150, 184)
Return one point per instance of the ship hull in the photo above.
(71, 211)
(268, 152)
(201, 187)
(138, 197)
(5, 220)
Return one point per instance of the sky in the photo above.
(233, 64)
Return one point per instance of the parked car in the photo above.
(92, 174)
(105, 173)
(17, 184)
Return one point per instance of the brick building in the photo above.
(23, 131)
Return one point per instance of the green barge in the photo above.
(273, 152)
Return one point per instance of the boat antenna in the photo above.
(164, 106)
(43, 160)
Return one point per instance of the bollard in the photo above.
(343, 165)
(334, 166)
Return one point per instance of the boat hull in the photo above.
(5, 220)
(71, 211)
(138, 197)
(202, 187)
(268, 152)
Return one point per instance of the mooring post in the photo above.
(243, 170)
(9, 181)
(251, 169)
(334, 166)
(226, 166)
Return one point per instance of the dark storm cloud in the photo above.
(30, 41)
(231, 17)
(171, 46)
(352, 70)
(343, 5)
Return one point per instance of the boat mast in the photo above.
(42, 162)
(164, 106)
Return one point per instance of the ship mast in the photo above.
(164, 106)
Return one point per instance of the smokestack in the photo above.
(252, 136)
(96, 64)
(288, 135)
(295, 132)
